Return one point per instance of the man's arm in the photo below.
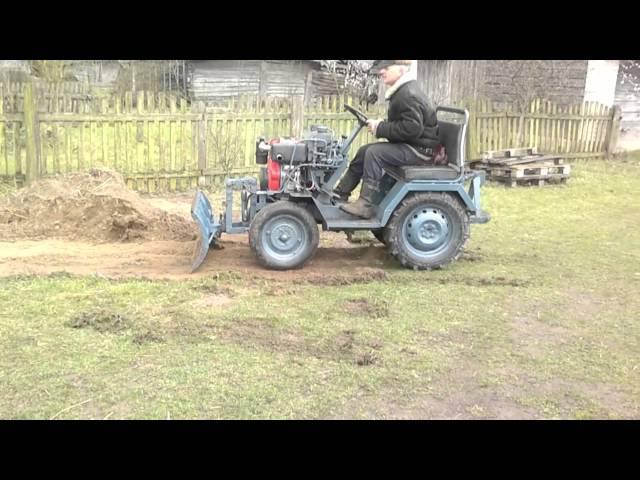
(408, 128)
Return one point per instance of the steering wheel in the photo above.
(362, 118)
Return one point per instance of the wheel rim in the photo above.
(284, 237)
(426, 231)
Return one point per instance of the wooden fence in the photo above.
(159, 142)
(585, 130)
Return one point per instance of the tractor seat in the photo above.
(407, 174)
(451, 136)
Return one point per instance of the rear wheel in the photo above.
(427, 230)
(283, 236)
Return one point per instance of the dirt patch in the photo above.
(534, 337)
(344, 340)
(364, 275)
(487, 403)
(102, 245)
(601, 400)
(461, 392)
(454, 395)
(101, 321)
(262, 334)
(364, 307)
(172, 260)
(96, 206)
(53, 237)
(215, 300)
(346, 347)
(176, 203)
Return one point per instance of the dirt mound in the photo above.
(96, 206)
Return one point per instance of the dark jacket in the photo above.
(411, 119)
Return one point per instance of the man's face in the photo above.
(390, 75)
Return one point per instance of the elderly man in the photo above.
(411, 131)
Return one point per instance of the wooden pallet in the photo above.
(522, 166)
(509, 153)
(538, 158)
(548, 159)
(526, 170)
(532, 180)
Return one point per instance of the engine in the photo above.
(294, 165)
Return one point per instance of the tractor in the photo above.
(423, 212)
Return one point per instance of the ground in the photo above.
(538, 319)
(143, 252)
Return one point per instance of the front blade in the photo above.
(208, 228)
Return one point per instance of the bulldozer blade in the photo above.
(208, 229)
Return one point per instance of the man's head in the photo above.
(390, 71)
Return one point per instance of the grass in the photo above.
(539, 319)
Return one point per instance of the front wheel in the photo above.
(427, 230)
(283, 236)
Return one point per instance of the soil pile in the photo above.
(96, 206)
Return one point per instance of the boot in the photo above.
(348, 183)
(364, 206)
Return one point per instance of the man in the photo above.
(411, 131)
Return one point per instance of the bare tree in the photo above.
(529, 80)
(351, 77)
(532, 79)
(630, 73)
(225, 148)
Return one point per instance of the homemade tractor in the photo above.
(423, 214)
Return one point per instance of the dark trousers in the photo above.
(371, 160)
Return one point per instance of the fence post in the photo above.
(614, 130)
(297, 116)
(202, 143)
(31, 130)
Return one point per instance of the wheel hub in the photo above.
(426, 229)
(283, 236)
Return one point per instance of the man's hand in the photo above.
(372, 125)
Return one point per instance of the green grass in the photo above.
(538, 319)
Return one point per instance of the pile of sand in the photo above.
(96, 206)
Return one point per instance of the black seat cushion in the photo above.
(449, 172)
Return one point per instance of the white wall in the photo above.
(628, 99)
(600, 86)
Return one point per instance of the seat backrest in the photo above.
(450, 135)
